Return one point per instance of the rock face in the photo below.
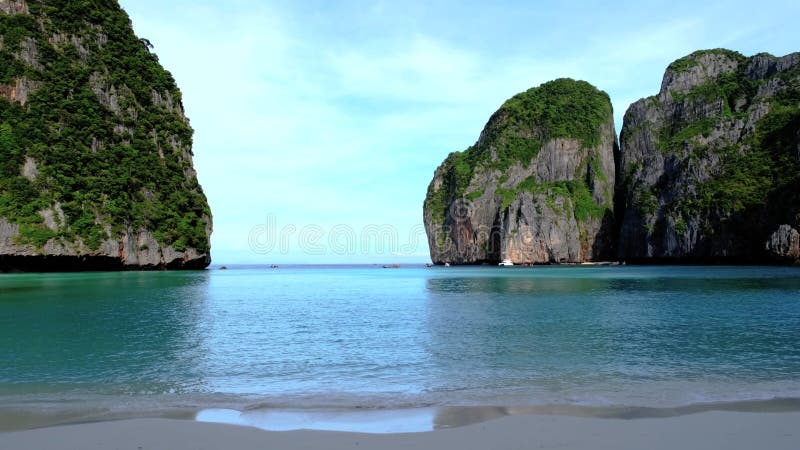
(710, 167)
(537, 187)
(784, 243)
(96, 164)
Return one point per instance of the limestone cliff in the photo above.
(537, 186)
(95, 151)
(710, 167)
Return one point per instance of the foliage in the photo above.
(563, 108)
(733, 91)
(474, 195)
(456, 173)
(765, 165)
(645, 200)
(686, 63)
(102, 164)
(770, 166)
(583, 202)
(671, 140)
(728, 89)
(744, 181)
(680, 227)
(683, 65)
(597, 170)
(576, 191)
(507, 196)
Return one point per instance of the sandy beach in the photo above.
(714, 429)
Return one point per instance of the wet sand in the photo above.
(711, 429)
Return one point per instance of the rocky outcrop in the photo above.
(709, 168)
(132, 251)
(19, 90)
(784, 244)
(13, 7)
(708, 172)
(96, 168)
(537, 187)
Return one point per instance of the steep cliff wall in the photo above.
(710, 167)
(95, 151)
(537, 186)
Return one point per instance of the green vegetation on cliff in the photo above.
(102, 129)
(686, 63)
(563, 108)
(732, 92)
(751, 170)
(722, 182)
(770, 167)
(575, 191)
(457, 174)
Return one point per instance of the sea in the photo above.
(368, 348)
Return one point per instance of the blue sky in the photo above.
(318, 124)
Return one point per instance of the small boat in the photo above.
(506, 262)
(447, 264)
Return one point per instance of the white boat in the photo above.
(506, 262)
(447, 264)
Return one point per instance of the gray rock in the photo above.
(106, 93)
(53, 217)
(709, 65)
(495, 217)
(133, 250)
(784, 244)
(29, 53)
(13, 7)
(680, 153)
(20, 91)
(30, 169)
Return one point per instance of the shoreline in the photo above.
(362, 419)
(711, 429)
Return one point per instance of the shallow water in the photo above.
(365, 337)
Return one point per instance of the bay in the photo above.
(368, 337)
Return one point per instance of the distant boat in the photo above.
(391, 266)
(506, 262)
(447, 264)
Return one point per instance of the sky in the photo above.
(319, 124)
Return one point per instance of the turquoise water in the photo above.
(346, 337)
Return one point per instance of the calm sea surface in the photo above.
(315, 337)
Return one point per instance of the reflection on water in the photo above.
(375, 421)
(427, 419)
(503, 284)
(515, 336)
(520, 336)
(358, 421)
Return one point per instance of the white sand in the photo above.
(708, 430)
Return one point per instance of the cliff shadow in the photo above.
(605, 242)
